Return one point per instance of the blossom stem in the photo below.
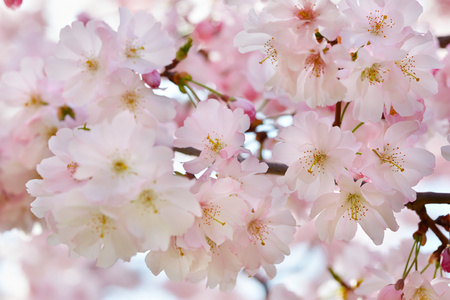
(339, 279)
(193, 92)
(192, 100)
(345, 109)
(426, 267)
(209, 89)
(357, 126)
(405, 273)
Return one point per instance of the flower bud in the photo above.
(247, 106)
(153, 79)
(207, 29)
(445, 262)
(13, 4)
(389, 293)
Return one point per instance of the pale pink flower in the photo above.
(127, 92)
(418, 288)
(29, 88)
(177, 261)
(254, 185)
(117, 158)
(92, 231)
(371, 86)
(140, 44)
(378, 23)
(223, 212)
(391, 163)
(316, 154)
(159, 209)
(264, 239)
(215, 130)
(79, 61)
(224, 266)
(356, 203)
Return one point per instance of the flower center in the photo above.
(214, 144)
(378, 23)
(271, 52)
(374, 74)
(131, 100)
(147, 200)
(406, 65)
(305, 12)
(211, 212)
(393, 156)
(258, 230)
(35, 101)
(101, 224)
(133, 51)
(92, 65)
(315, 64)
(356, 208)
(314, 160)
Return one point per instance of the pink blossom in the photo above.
(316, 154)
(215, 130)
(392, 164)
(140, 44)
(339, 213)
(417, 287)
(380, 23)
(80, 61)
(127, 92)
(264, 239)
(161, 208)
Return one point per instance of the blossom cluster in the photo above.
(96, 126)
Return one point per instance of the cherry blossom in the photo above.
(339, 213)
(140, 44)
(316, 154)
(208, 129)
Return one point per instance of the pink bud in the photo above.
(84, 17)
(247, 106)
(205, 30)
(13, 4)
(445, 263)
(389, 293)
(153, 79)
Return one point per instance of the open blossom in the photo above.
(417, 287)
(140, 44)
(163, 207)
(93, 231)
(215, 130)
(378, 22)
(340, 213)
(223, 212)
(391, 163)
(264, 239)
(316, 154)
(79, 61)
(127, 92)
(29, 88)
